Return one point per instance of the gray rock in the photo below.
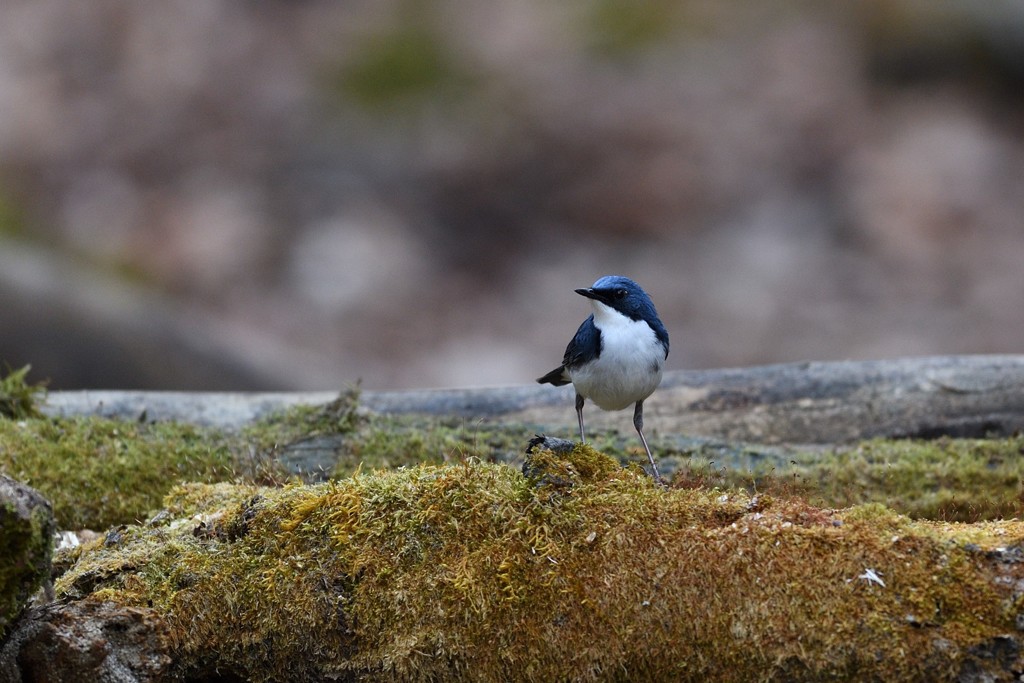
(86, 641)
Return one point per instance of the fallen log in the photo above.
(70, 459)
(578, 570)
(798, 403)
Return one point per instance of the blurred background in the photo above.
(226, 194)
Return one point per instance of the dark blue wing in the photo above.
(585, 346)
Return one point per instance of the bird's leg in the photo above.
(579, 416)
(638, 422)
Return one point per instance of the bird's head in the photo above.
(623, 295)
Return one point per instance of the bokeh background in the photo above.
(295, 194)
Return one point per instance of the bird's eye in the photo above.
(620, 293)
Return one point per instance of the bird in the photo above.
(618, 353)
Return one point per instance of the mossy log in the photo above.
(802, 403)
(101, 472)
(129, 442)
(579, 570)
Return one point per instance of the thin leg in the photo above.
(638, 422)
(579, 416)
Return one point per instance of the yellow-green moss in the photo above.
(944, 479)
(18, 398)
(472, 570)
(99, 472)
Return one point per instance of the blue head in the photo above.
(628, 298)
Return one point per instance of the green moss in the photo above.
(945, 479)
(18, 398)
(952, 479)
(99, 472)
(401, 441)
(566, 470)
(473, 570)
(26, 549)
(280, 429)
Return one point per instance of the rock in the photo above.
(26, 535)
(85, 641)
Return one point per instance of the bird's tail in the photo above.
(558, 377)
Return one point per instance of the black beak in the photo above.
(592, 293)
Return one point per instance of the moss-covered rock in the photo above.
(583, 570)
(26, 532)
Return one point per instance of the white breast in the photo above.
(629, 367)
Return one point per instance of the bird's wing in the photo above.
(585, 346)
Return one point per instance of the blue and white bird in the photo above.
(617, 355)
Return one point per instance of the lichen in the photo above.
(580, 570)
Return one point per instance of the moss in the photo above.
(298, 423)
(944, 479)
(400, 441)
(951, 479)
(99, 472)
(18, 398)
(26, 530)
(473, 570)
(102, 472)
(565, 470)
